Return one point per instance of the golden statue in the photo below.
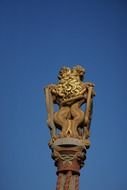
(70, 94)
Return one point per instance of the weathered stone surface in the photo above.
(68, 141)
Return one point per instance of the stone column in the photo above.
(69, 155)
(70, 124)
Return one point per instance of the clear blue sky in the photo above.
(36, 39)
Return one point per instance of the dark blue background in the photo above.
(37, 38)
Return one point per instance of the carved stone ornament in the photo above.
(69, 106)
(70, 94)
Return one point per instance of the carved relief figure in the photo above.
(70, 94)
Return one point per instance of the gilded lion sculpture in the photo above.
(70, 94)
